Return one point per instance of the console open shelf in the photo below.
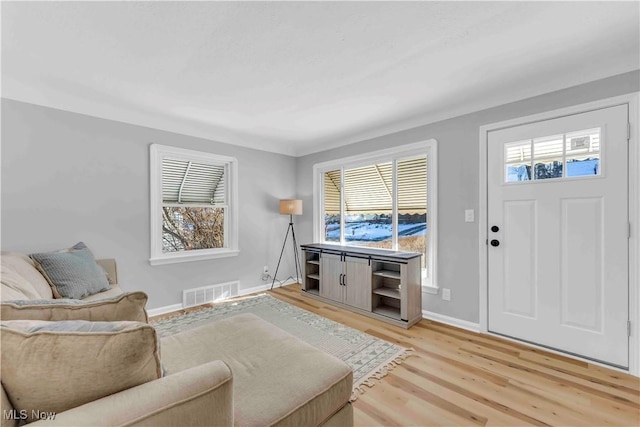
(387, 273)
(311, 282)
(387, 311)
(388, 292)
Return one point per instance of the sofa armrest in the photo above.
(109, 265)
(199, 396)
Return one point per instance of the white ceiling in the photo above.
(302, 77)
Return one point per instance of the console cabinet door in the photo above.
(331, 273)
(357, 289)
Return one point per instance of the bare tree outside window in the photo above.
(191, 228)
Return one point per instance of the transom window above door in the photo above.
(568, 155)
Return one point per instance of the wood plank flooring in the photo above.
(461, 378)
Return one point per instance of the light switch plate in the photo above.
(469, 215)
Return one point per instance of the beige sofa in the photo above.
(21, 280)
(237, 371)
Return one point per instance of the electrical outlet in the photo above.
(446, 294)
(266, 269)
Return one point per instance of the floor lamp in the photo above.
(290, 207)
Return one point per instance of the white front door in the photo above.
(558, 234)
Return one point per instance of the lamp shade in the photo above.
(291, 207)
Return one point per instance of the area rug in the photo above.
(369, 357)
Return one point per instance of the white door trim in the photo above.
(634, 211)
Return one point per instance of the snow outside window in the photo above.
(380, 203)
(569, 155)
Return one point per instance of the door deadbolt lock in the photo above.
(495, 243)
(495, 228)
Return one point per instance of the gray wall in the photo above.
(67, 177)
(458, 163)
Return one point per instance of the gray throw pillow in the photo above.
(72, 273)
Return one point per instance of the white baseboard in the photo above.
(265, 287)
(458, 323)
(241, 292)
(164, 310)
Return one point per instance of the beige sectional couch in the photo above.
(237, 371)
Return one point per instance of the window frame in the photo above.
(156, 153)
(428, 148)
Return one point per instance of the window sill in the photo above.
(186, 257)
(427, 289)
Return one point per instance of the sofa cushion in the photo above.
(128, 306)
(12, 418)
(55, 366)
(72, 273)
(16, 286)
(271, 385)
(22, 265)
(113, 291)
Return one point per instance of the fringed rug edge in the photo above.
(380, 372)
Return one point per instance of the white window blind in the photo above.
(370, 188)
(412, 186)
(187, 182)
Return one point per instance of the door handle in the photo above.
(495, 243)
(341, 276)
(495, 228)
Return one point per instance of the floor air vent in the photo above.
(207, 294)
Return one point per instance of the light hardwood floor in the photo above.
(460, 378)
(457, 377)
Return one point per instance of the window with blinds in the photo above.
(384, 199)
(193, 208)
(381, 205)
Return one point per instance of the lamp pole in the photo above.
(290, 207)
(295, 252)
